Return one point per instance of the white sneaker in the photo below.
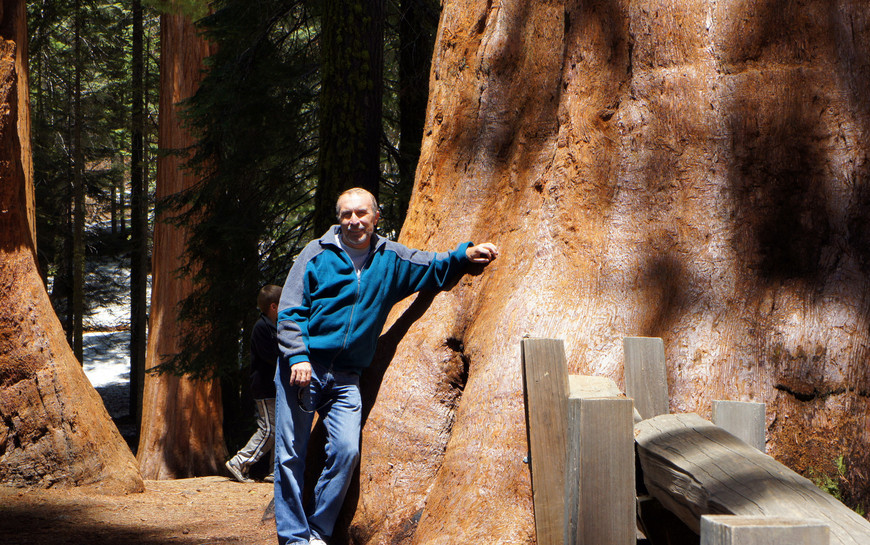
(316, 541)
(236, 472)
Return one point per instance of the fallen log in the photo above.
(695, 468)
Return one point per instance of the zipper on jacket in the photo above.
(352, 313)
(353, 307)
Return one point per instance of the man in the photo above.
(264, 358)
(334, 304)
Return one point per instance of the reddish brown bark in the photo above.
(182, 432)
(695, 171)
(16, 27)
(55, 430)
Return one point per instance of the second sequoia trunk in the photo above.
(182, 434)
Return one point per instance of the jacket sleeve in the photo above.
(294, 311)
(418, 270)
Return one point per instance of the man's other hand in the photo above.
(482, 253)
(300, 374)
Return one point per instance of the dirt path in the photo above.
(186, 511)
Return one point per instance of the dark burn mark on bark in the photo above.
(820, 395)
(457, 375)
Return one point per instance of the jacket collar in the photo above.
(328, 238)
(268, 321)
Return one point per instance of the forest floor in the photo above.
(185, 511)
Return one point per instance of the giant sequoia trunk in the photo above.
(696, 171)
(55, 430)
(182, 433)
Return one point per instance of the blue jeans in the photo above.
(335, 396)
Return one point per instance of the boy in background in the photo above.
(264, 358)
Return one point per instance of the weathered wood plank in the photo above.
(589, 386)
(745, 419)
(600, 477)
(646, 379)
(545, 376)
(736, 530)
(695, 468)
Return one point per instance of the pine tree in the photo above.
(54, 430)
(351, 102)
(417, 25)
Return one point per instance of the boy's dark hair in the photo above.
(270, 293)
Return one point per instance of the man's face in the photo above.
(357, 219)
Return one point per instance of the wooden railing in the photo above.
(699, 482)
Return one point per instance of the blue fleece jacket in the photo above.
(331, 316)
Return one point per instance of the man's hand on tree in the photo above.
(300, 374)
(482, 253)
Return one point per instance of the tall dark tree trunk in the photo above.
(54, 429)
(63, 281)
(418, 23)
(119, 207)
(351, 102)
(122, 208)
(139, 222)
(78, 253)
(62, 288)
(114, 208)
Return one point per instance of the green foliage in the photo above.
(194, 9)
(834, 485)
(829, 484)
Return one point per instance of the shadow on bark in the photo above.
(800, 184)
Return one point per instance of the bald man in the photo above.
(333, 307)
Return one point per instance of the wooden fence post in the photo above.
(737, 530)
(600, 478)
(545, 376)
(646, 379)
(744, 419)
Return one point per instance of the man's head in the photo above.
(267, 301)
(358, 216)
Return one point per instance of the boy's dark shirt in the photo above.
(264, 358)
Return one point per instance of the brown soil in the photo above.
(185, 511)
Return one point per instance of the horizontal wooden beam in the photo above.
(695, 468)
